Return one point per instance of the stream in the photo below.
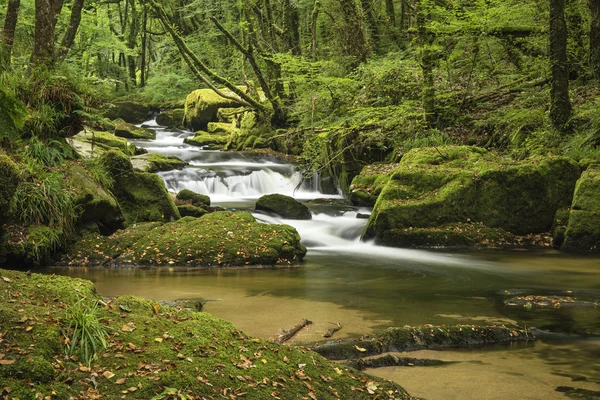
(367, 287)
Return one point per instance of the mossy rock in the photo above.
(152, 162)
(171, 118)
(216, 239)
(141, 195)
(201, 107)
(202, 138)
(583, 230)
(227, 115)
(130, 131)
(89, 143)
(285, 206)
(131, 112)
(193, 198)
(9, 180)
(29, 245)
(97, 204)
(191, 211)
(155, 348)
(367, 186)
(220, 128)
(433, 187)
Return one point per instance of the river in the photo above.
(367, 287)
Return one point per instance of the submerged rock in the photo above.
(202, 105)
(216, 239)
(448, 186)
(583, 229)
(285, 206)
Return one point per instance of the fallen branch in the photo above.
(331, 331)
(393, 361)
(286, 335)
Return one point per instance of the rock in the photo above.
(97, 205)
(191, 211)
(438, 188)
(227, 114)
(88, 143)
(366, 187)
(285, 206)
(9, 180)
(171, 118)
(130, 131)
(196, 199)
(216, 239)
(201, 107)
(141, 195)
(202, 139)
(152, 162)
(583, 229)
(221, 128)
(131, 112)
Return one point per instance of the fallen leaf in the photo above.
(28, 328)
(7, 280)
(108, 374)
(7, 362)
(128, 327)
(361, 349)
(121, 381)
(158, 339)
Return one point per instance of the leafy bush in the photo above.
(51, 153)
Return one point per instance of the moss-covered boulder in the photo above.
(9, 180)
(221, 128)
(367, 186)
(201, 107)
(129, 131)
(193, 198)
(96, 204)
(88, 143)
(216, 239)
(583, 229)
(285, 206)
(202, 139)
(435, 187)
(134, 113)
(228, 115)
(155, 352)
(191, 211)
(141, 195)
(171, 118)
(152, 162)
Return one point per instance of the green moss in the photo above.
(201, 107)
(97, 141)
(221, 128)
(285, 206)
(216, 239)
(194, 198)
(227, 114)
(191, 211)
(367, 186)
(583, 230)
(133, 113)
(117, 163)
(152, 162)
(130, 131)
(171, 118)
(29, 245)
(9, 180)
(202, 138)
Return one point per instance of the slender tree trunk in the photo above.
(390, 11)
(313, 29)
(354, 39)
(425, 40)
(69, 37)
(595, 38)
(292, 27)
(43, 37)
(132, 42)
(144, 45)
(8, 33)
(370, 21)
(560, 105)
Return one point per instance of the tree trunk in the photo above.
(560, 105)
(313, 29)
(353, 36)
(595, 38)
(131, 44)
(425, 40)
(69, 37)
(43, 37)
(390, 11)
(370, 21)
(292, 27)
(8, 33)
(144, 50)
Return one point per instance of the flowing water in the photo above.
(366, 287)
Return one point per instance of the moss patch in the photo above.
(152, 162)
(90, 142)
(367, 186)
(216, 239)
(193, 198)
(153, 351)
(171, 118)
(131, 112)
(202, 139)
(285, 206)
(434, 187)
(130, 131)
(583, 230)
(201, 107)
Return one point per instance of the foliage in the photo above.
(12, 114)
(99, 172)
(51, 153)
(85, 334)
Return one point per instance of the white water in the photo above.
(238, 179)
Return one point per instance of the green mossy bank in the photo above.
(216, 239)
(153, 352)
(465, 196)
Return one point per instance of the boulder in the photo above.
(367, 186)
(217, 239)
(97, 205)
(89, 142)
(130, 131)
(171, 118)
(141, 195)
(222, 128)
(131, 112)
(285, 206)
(583, 229)
(202, 138)
(191, 211)
(445, 186)
(201, 107)
(152, 162)
(195, 199)
(9, 180)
